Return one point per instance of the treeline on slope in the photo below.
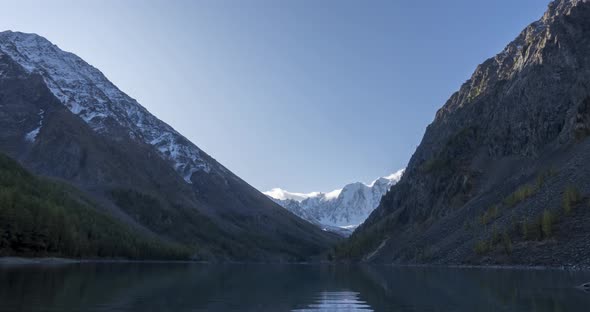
(39, 217)
(189, 226)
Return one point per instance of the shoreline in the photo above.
(12, 261)
(572, 268)
(58, 260)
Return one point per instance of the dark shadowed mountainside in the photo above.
(502, 173)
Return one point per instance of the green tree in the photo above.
(547, 223)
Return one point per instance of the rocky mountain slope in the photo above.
(60, 117)
(340, 210)
(501, 175)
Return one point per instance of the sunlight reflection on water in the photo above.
(328, 301)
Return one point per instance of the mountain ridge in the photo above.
(99, 100)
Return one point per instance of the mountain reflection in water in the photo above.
(237, 287)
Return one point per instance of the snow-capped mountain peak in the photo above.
(344, 208)
(86, 92)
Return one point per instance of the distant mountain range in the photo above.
(62, 118)
(341, 210)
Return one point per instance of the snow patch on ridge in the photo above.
(32, 136)
(281, 194)
(333, 194)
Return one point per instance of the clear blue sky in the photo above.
(305, 95)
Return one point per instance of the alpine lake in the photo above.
(267, 287)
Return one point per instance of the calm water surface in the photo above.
(195, 287)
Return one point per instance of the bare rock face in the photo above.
(523, 113)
